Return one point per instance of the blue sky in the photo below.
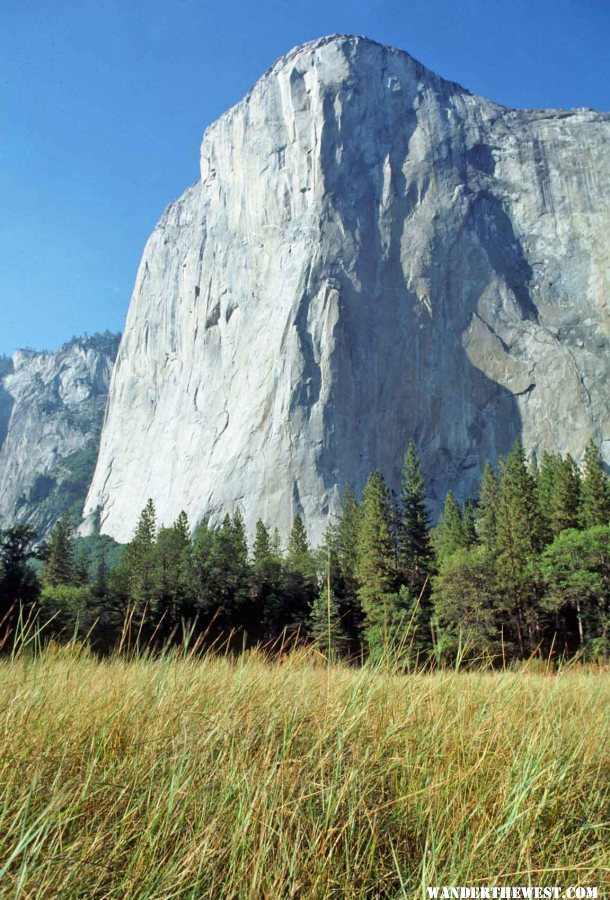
(103, 104)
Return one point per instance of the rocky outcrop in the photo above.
(51, 411)
(371, 254)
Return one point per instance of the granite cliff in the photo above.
(51, 411)
(371, 253)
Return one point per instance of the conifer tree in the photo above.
(182, 528)
(238, 534)
(18, 581)
(595, 489)
(326, 560)
(346, 550)
(58, 566)
(375, 569)
(547, 479)
(488, 507)
(110, 601)
(518, 540)
(565, 509)
(395, 519)
(300, 586)
(262, 561)
(170, 552)
(347, 538)
(518, 520)
(276, 543)
(139, 560)
(547, 475)
(217, 576)
(415, 553)
(198, 566)
(326, 626)
(81, 576)
(400, 628)
(230, 571)
(298, 555)
(266, 583)
(450, 534)
(469, 523)
(261, 550)
(100, 584)
(240, 571)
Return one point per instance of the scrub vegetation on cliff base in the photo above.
(240, 777)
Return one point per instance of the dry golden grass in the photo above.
(222, 778)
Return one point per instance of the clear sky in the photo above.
(103, 104)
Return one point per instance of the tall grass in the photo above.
(243, 778)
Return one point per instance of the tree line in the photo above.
(521, 569)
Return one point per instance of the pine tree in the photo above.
(266, 583)
(375, 569)
(450, 534)
(558, 495)
(239, 570)
(197, 574)
(298, 555)
(276, 543)
(262, 563)
(488, 507)
(565, 510)
(347, 538)
(18, 581)
(229, 572)
(469, 523)
(326, 626)
(100, 584)
(518, 519)
(595, 489)
(400, 630)
(261, 551)
(239, 539)
(415, 551)
(171, 549)
(82, 576)
(217, 577)
(547, 479)
(139, 561)
(325, 619)
(518, 540)
(346, 548)
(299, 587)
(58, 566)
(182, 528)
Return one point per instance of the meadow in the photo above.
(240, 777)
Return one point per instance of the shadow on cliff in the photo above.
(400, 370)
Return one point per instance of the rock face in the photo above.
(371, 254)
(51, 411)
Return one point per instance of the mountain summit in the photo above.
(371, 254)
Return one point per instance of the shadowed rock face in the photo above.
(371, 254)
(51, 411)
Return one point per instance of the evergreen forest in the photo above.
(522, 570)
